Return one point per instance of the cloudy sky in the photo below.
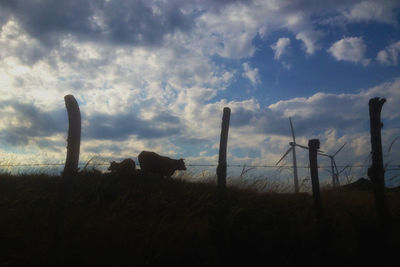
(155, 75)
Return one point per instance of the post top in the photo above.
(227, 109)
(313, 144)
(68, 96)
(377, 101)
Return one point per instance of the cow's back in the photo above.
(150, 162)
(125, 166)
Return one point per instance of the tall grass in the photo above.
(141, 220)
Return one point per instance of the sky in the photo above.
(156, 74)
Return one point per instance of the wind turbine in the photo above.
(335, 174)
(293, 149)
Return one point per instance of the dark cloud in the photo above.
(118, 21)
(190, 140)
(218, 5)
(312, 127)
(24, 121)
(98, 149)
(55, 146)
(138, 22)
(121, 126)
(45, 19)
(241, 117)
(4, 16)
(165, 117)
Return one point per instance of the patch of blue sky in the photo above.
(246, 153)
(321, 72)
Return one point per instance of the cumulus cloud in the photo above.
(280, 47)
(381, 11)
(251, 74)
(310, 39)
(226, 28)
(389, 55)
(126, 93)
(350, 49)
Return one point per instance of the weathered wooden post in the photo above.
(323, 236)
(313, 146)
(222, 209)
(221, 169)
(74, 135)
(70, 169)
(377, 172)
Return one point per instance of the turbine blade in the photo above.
(322, 154)
(391, 144)
(291, 128)
(343, 169)
(284, 155)
(301, 146)
(339, 149)
(334, 164)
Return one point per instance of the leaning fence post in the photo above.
(74, 135)
(313, 146)
(221, 169)
(70, 169)
(221, 229)
(377, 172)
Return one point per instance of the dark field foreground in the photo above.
(143, 221)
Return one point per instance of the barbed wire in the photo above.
(392, 166)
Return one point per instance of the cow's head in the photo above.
(113, 166)
(180, 165)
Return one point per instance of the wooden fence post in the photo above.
(70, 169)
(313, 146)
(74, 135)
(220, 227)
(221, 169)
(377, 172)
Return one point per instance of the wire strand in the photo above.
(388, 167)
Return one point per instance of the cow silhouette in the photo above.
(151, 162)
(127, 166)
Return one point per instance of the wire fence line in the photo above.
(392, 167)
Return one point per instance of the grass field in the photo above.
(140, 220)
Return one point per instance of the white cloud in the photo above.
(390, 54)
(110, 83)
(229, 32)
(351, 49)
(280, 47)
(381, 11)
(251, 74)
(309, 39)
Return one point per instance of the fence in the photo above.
(73, 147)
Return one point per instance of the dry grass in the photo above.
(145, 221)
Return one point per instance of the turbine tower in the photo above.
(293, 149)
(334, 169)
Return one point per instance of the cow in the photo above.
(151, 162)
(127, 166)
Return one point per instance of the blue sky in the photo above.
(155, 75)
